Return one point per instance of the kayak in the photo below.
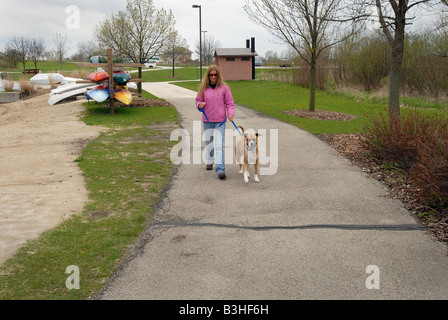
(44, 78)
(99, 95)
(124, 96)
(122, 78)
(55, 98)
(99, 76)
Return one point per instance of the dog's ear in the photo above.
(258, 134)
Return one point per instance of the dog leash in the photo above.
(203, 111)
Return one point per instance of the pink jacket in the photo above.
(217, 102)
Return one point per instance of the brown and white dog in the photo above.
(246, 152)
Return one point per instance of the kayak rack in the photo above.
(109, 66)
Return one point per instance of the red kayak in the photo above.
(99, 76)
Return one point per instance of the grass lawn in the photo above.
(272, 97)
(190, 73)
(126, 168)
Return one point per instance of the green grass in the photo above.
(125, 169)
(272, 97)
(190, 73)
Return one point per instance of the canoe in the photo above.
(70, 87)
(99, 95)
(44, 78)
(99, 76)
(55, 98)
(122, 78)
(124, 96)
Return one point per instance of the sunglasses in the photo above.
(213, 75)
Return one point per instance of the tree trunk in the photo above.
(312, 106)
(395, 70)
(394, 87)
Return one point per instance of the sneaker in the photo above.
(209, 167)
(222, 175)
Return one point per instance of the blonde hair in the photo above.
(206, 81)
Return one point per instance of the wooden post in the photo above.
(110, 71)
(139, 84)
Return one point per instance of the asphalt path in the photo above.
(316, 227)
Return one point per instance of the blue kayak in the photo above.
(122, 78)
(99, 95)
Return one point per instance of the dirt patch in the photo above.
(40, 184)
(142, 103)
(320, 115)
(400, 187)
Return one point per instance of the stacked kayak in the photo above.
(124, 96)
(122, 78)
(99, 94)
(99, 76)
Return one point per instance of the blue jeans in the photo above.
(210, 134)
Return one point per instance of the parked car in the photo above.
(151, 63)
(285, 63)
(98, 59)
(258, 62)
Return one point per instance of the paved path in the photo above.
(310, 231)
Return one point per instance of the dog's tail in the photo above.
(242, 129)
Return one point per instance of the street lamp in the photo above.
(200, 37)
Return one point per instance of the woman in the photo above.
(215, 100)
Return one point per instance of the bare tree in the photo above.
(175, 47)
(21, 47)
(308, 26)
(61, 46)
(394, 16)
(11, 57)
(36, 50)
(209, 45)
(85, 50)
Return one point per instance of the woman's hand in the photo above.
(230, 118)
(202, 105)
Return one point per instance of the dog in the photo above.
(246, 152)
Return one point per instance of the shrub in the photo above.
(26, 88)
(8, 85)
(419, 146)
(302, 73)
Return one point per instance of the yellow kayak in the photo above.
(124, 96)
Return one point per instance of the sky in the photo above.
(225, 20)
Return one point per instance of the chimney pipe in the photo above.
(247, 44)
(252, 49)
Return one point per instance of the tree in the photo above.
(86, 50)
(393, 17)
(308, 26)
(21, 47)
(209, 46)
(139, 33)
(36, 50)
(61, 44)
(11, 57)
(175, 47)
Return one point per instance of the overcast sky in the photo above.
(225, 20)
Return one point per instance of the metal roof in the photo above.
(234, 52)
